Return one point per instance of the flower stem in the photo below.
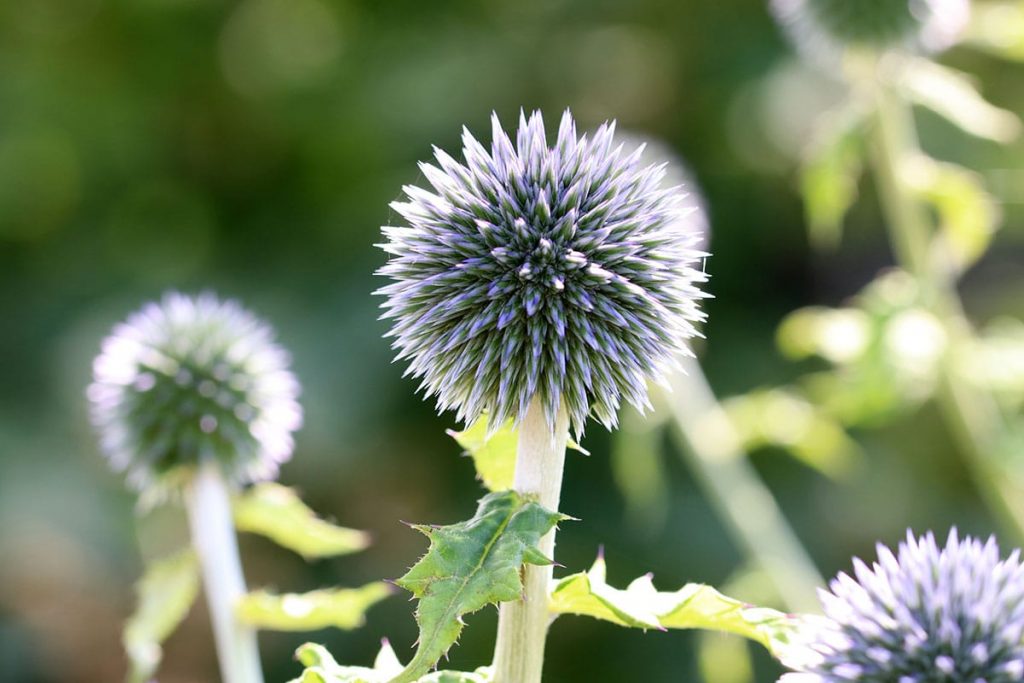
(973, 415)
(523, 625)
(715, 454)
(213, 537)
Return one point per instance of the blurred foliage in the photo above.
(252, 148)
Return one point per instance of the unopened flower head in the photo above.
(828, 27)
(565, 272)
(924, 615)
(190, 380)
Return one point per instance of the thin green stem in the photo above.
(214, 540)
(715, 454)
(523, 625)
(973, 414)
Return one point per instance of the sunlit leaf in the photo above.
(343, 608)
(165, 594)
(276, 512)
(322, 668)
(469, 565)
(828, 178)
(694, 606)
(494, 453)
(998, 28)
(953, 95)
(968, 214)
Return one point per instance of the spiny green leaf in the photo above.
(276, 512)
(494, 452)
(694, 606)
(321, 668)
(343, 608)
(469, 565)
(165, 595)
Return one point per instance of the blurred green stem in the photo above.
(715, 454)
(523, 624)
(214, 540)
(973, 415)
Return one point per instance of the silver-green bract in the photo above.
(563, 272)
(193, 379)
(830, 26)
(923, 615)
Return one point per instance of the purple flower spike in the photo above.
(566, 272)
(190, 380)
(923, 615)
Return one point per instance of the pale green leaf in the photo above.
(953, 95)
(470, 565)
(694, 606)
(275, 511)
(343, 608)
(494, 452)
(998, 28)
(322, 668)
(828, 178)
(165, 594)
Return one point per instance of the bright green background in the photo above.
(253, 147)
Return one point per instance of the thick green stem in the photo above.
(973, 415)
(523, 625)
(715, 454)
(214, 540)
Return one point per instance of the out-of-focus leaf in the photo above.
(276, 512)
(995, 362)
(953, 95)
(343, 608)
(322, 668)
(639, 471)
(494, 452)
(694, 606)
(998, 28)
(782, 418)
(165, 594)
(469, 565)
(828, 178)
(968, 215)
(839, 335)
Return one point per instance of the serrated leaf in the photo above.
(694, 606)
(953, 95)
(322, 668)
(469, 565)
(494, 452)
(275, 511)
(165, 594)
(828, 178)
(343, 608)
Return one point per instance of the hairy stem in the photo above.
(213, 537)
(523, 625)
(973, 415)
(715, 454)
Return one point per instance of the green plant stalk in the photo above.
(972, 414)
(214, 540)
(714, 452)
(523, 625)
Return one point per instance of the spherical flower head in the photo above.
(828, 27)
(923, 615)
(193, 380)
(565, 273)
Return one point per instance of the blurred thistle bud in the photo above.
(567, 273)
(829, 27)
(923, 615)
(191, 380)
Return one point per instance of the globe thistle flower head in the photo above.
(828, 27)
(189, 380)
(923, 615)
(564, 272)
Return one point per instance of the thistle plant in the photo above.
(193, 399)
(926, 614)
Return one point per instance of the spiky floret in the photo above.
(923, 615)
(193, 379)
(562, 272)
(831, 26)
